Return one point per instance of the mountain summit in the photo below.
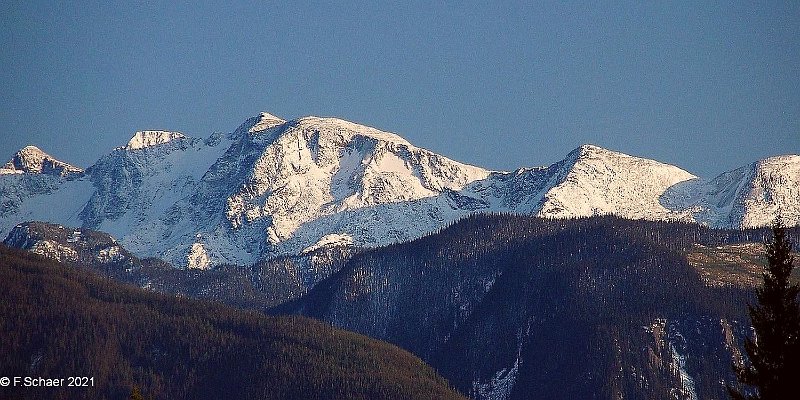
(274, 187)
(33, 160)
(143, 139)
(599, 181)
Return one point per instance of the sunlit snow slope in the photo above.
(275, 187)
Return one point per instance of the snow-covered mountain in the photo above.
(273, 187)
(749, 196)
(589, 181)
(33, 160)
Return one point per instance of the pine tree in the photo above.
(774, 352)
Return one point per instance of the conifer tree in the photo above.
(773, 369)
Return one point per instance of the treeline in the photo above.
(58, 322)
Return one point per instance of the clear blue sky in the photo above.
(699, 84)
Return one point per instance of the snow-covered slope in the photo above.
(749, 196)
(598, 181)
(273, 187)
(36, 186)
(136, 188)
(283, 187)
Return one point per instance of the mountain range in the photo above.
(276, 188)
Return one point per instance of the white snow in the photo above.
(198, 257)
(54, 251)
(265, 121)
(168, 176)
(110, 254)
(31, 159)
(144, 139)
(499, 386)
(333, 239)
(687, 389)
(319, 169)
(10, 171)
(287, 187)
(43, 198)
(750, 196)
(605, 182)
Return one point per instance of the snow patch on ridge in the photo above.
(144, 139)
(198, 257)
(333, 239)
(265, 121)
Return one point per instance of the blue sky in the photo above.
(703, 85)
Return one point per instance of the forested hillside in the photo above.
(516, 306)
(260, 286)
(503, 305)
(60, 322)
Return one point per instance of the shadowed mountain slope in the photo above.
(59, 321)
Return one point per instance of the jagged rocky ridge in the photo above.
(273, 188)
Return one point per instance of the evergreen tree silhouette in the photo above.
(773, 368)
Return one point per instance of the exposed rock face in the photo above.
(66, 244)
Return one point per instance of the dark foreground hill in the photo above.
(60, 322)
(519, 307)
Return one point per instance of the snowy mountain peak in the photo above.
(144, 139)
(590, 148)
(779, 161)
(33, 160)
(32, 150)
(345, 129)
(587, 151)
(256, 124)
(596, 181)
(773, 188)
(749, 196)
(265, 121)
(596, 154)
(300, 178)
